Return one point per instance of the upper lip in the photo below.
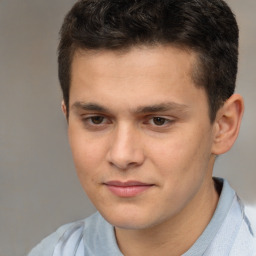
(129, 183)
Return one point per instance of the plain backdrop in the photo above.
(39, 190)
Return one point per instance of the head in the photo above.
(206, 27)
(147, 91)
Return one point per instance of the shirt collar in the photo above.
(225, 201)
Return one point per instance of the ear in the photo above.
(227, 124)
(64, 108)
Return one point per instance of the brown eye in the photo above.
(97, 119)
(159, 121)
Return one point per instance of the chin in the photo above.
(130, 224)
(131, 221)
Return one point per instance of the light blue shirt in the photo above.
(228, 233)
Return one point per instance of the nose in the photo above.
(125, 151)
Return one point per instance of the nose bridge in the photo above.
(125, 149)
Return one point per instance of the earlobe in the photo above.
(227, 124)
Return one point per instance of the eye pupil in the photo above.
(97, 119)
(159, 120)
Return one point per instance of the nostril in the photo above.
(126, 161)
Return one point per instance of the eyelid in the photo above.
(87, 119)
(168, 120)
(146, 120)
(89, 115)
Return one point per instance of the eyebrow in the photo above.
(162, 107)
(154, 108)
(89, 107)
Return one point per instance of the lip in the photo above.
(127, 188)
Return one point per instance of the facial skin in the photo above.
(137, 117)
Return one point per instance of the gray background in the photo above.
(39, 190)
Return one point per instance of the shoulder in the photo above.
(234, 234)
(46, 246)
(242, 238)
(237, 232)
(245, 241)
(67, 232)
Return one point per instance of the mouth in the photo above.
(128, 188)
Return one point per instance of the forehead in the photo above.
(159, 74)
(135, 62)
(149, 57)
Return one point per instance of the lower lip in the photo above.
(128, 191)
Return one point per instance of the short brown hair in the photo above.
(207, 27)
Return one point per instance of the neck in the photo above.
(177, 234)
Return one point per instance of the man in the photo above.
(148, 93)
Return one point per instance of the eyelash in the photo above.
(89, 120)
(151, 120)
(163, 121)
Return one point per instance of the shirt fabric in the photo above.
(228, 233)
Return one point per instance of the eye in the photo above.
(159, 121)
(97, 119)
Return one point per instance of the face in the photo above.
(140, 134)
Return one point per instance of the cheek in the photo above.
(87, 154)
(170, 152)
(182, 155)
(86, 159)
